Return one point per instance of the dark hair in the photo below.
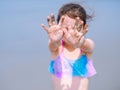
(73, 10)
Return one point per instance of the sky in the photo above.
(24, 54)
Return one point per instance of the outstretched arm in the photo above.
(54, 32)
(75, 36)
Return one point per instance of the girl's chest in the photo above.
(72, 55)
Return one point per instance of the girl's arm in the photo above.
(53, 46)
(54, 32)
(87, 45)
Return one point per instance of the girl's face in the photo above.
(68, 22)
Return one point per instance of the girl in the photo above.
(71, 53)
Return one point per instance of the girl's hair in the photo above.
(73, 10)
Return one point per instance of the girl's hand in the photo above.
(54, 30)
(74, 34)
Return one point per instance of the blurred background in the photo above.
(24, 54)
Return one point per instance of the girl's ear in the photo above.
(86, 26)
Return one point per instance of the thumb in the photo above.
(44, 27)
(65, 31)
(86, 26)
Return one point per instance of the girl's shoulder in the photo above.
(88, 50)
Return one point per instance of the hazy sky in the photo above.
(24, 55)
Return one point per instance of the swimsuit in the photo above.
(63, 67)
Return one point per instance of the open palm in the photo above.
(54, 30)
(74, 34)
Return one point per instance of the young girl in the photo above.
(71, 53)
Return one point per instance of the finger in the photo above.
(85, 29)
(61, 21)
(79, 21)
(48, 20)
(85, 32)
(53, 19)
(78, 24)
(44, 27)
(78, 37)
(79, 27)
(86, 26)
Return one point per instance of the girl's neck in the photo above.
(69, 47)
